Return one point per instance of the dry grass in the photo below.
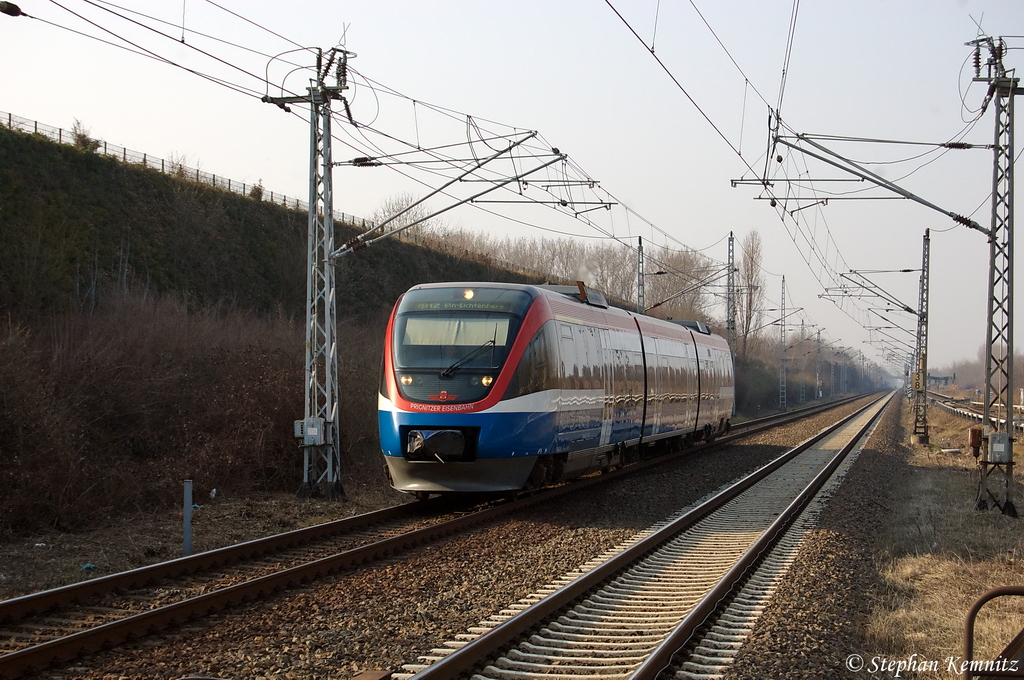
(940, 555)
(51, 559)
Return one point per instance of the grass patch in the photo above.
(939, 555)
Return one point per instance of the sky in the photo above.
(661, 103)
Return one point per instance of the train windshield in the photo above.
(454, 341)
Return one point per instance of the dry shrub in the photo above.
(106, 414)
(360, 353)
(37, 451)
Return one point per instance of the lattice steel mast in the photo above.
(319, 430)
(998, 417)
(803, 364)
(817, 369)
(640, 274)
(920, 378)
(730, 304)
(782, 359)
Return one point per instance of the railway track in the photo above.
(62, 623)
(973, 410)
(632, 614)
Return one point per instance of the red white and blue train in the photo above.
(495, 387)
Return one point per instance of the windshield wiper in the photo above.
(450, 371)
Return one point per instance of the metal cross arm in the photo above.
(362, 241)
(703, 282)
(878, 291)
(854, 169)
(564, 202)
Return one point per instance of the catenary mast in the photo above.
(998, 416)
(319, 429)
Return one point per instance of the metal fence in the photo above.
(173, 168)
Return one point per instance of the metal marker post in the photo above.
(187, 519)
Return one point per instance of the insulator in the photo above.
(342, 73)
(11, 9)
(326, 69)
(977, 60)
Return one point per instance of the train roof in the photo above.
(580, 293)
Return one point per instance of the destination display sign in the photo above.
(462, 305)
(464, 299)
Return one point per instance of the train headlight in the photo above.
(405, 380)
(486, 380)
(467, 294)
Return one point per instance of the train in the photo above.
(503, 388)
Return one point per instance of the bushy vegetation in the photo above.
(151, 330)
(106, 413)
(76, 225)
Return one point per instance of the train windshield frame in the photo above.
(460, 332)
(450, 344)
(457, 329)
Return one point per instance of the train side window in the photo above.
(570, 372)
(536, 369)
(597, 356)
(588, 347)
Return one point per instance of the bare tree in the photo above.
(683, 292)
(404, 206)
(610, 267)
(83, 141)
(750, 301)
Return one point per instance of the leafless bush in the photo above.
(82, 139)
(401, 211)
(107, 413)
(178, 166)
(257, 191)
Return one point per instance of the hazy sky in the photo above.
(574, 71)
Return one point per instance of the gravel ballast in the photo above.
(388, 614)
(816, 619)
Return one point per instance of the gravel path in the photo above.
(387, 615)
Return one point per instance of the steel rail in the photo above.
(662, 657)
(13, 664)
(16, 663)
(471, 655)
(19, 607)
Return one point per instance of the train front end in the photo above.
(450, 353)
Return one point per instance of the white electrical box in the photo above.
(310, 431)
(999, 450)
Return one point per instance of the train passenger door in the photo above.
(629, 390)
(696, 391)
(608, 413)
(709, 386)
(652, 423)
